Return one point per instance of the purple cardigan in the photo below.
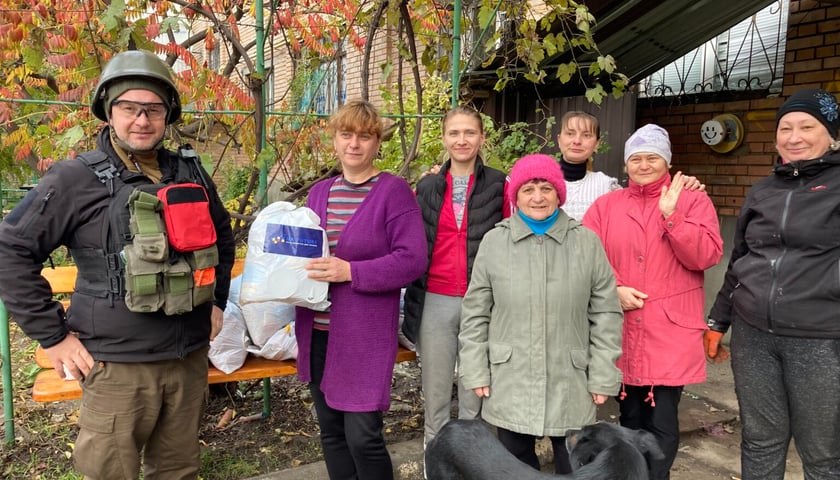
(385, 244)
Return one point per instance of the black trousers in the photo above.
(661, 420)
(787, 387)
(523, 447)
(353, 443)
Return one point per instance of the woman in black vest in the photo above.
(460, 204)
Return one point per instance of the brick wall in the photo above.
(812, 59)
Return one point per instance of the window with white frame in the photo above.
(327, 87)
(749, 56)
(214, 58)
(475, 39)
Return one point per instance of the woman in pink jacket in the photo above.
(659, 239)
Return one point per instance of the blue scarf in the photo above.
(539, 226)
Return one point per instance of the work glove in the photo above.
(715, 352)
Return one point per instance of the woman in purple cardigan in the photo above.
(377, 246)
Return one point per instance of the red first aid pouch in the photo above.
(186, 212)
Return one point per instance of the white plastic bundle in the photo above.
(264, 319)
(230, 347)
(282, 240)
(281, 346)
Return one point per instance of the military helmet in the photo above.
(138, 65)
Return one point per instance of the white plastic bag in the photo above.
(281, 346)
(233, 291)
(282, 240)
(264, 319)
(230, 347)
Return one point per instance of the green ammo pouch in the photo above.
(147, 227)
(203, 263)
(177, 287)
(143, 287)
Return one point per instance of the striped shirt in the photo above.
(343, 201)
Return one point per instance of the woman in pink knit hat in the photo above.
(541, 321)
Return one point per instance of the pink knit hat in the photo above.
(536, 167)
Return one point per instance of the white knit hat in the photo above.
(649, 139)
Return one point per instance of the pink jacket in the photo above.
(662, 342)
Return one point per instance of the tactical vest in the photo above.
(138, 263)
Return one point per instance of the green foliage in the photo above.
(11, 170)
(56, 55)
(60, 256)
(525, 41)
(12, 176)
(236, 183)
(508, 143)
(436, 102)
(26, 459)
(603, 145)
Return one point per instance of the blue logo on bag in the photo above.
(293, 241)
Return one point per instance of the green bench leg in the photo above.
(266, 397)
(6, 358)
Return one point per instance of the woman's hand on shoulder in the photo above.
(692, 184)
(433, 170)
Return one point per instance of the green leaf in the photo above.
(265, 158)
(387, 69)
(45, 148)
(607, 63)
(33, 58)
(595, 94)
(486, 15)
(619, 86)
(489, 60)
(70, 137)
(550, 44)
(114, 15)
(560, 41)
(565, 72)
(173, 23)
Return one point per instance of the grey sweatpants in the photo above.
(787, 386)
(437, 344)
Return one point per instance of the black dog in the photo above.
(469, 450)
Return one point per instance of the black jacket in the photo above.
(784, 273)
(485, 210)
(69, 206)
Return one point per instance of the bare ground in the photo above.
(289, 437)
(236, 441)
(243, 445)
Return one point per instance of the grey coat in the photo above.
(541, 325)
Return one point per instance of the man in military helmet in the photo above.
(143, 374)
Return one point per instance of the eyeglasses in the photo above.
(153, 111)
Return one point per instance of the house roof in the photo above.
(646, 35)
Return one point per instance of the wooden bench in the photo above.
(49, 387)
